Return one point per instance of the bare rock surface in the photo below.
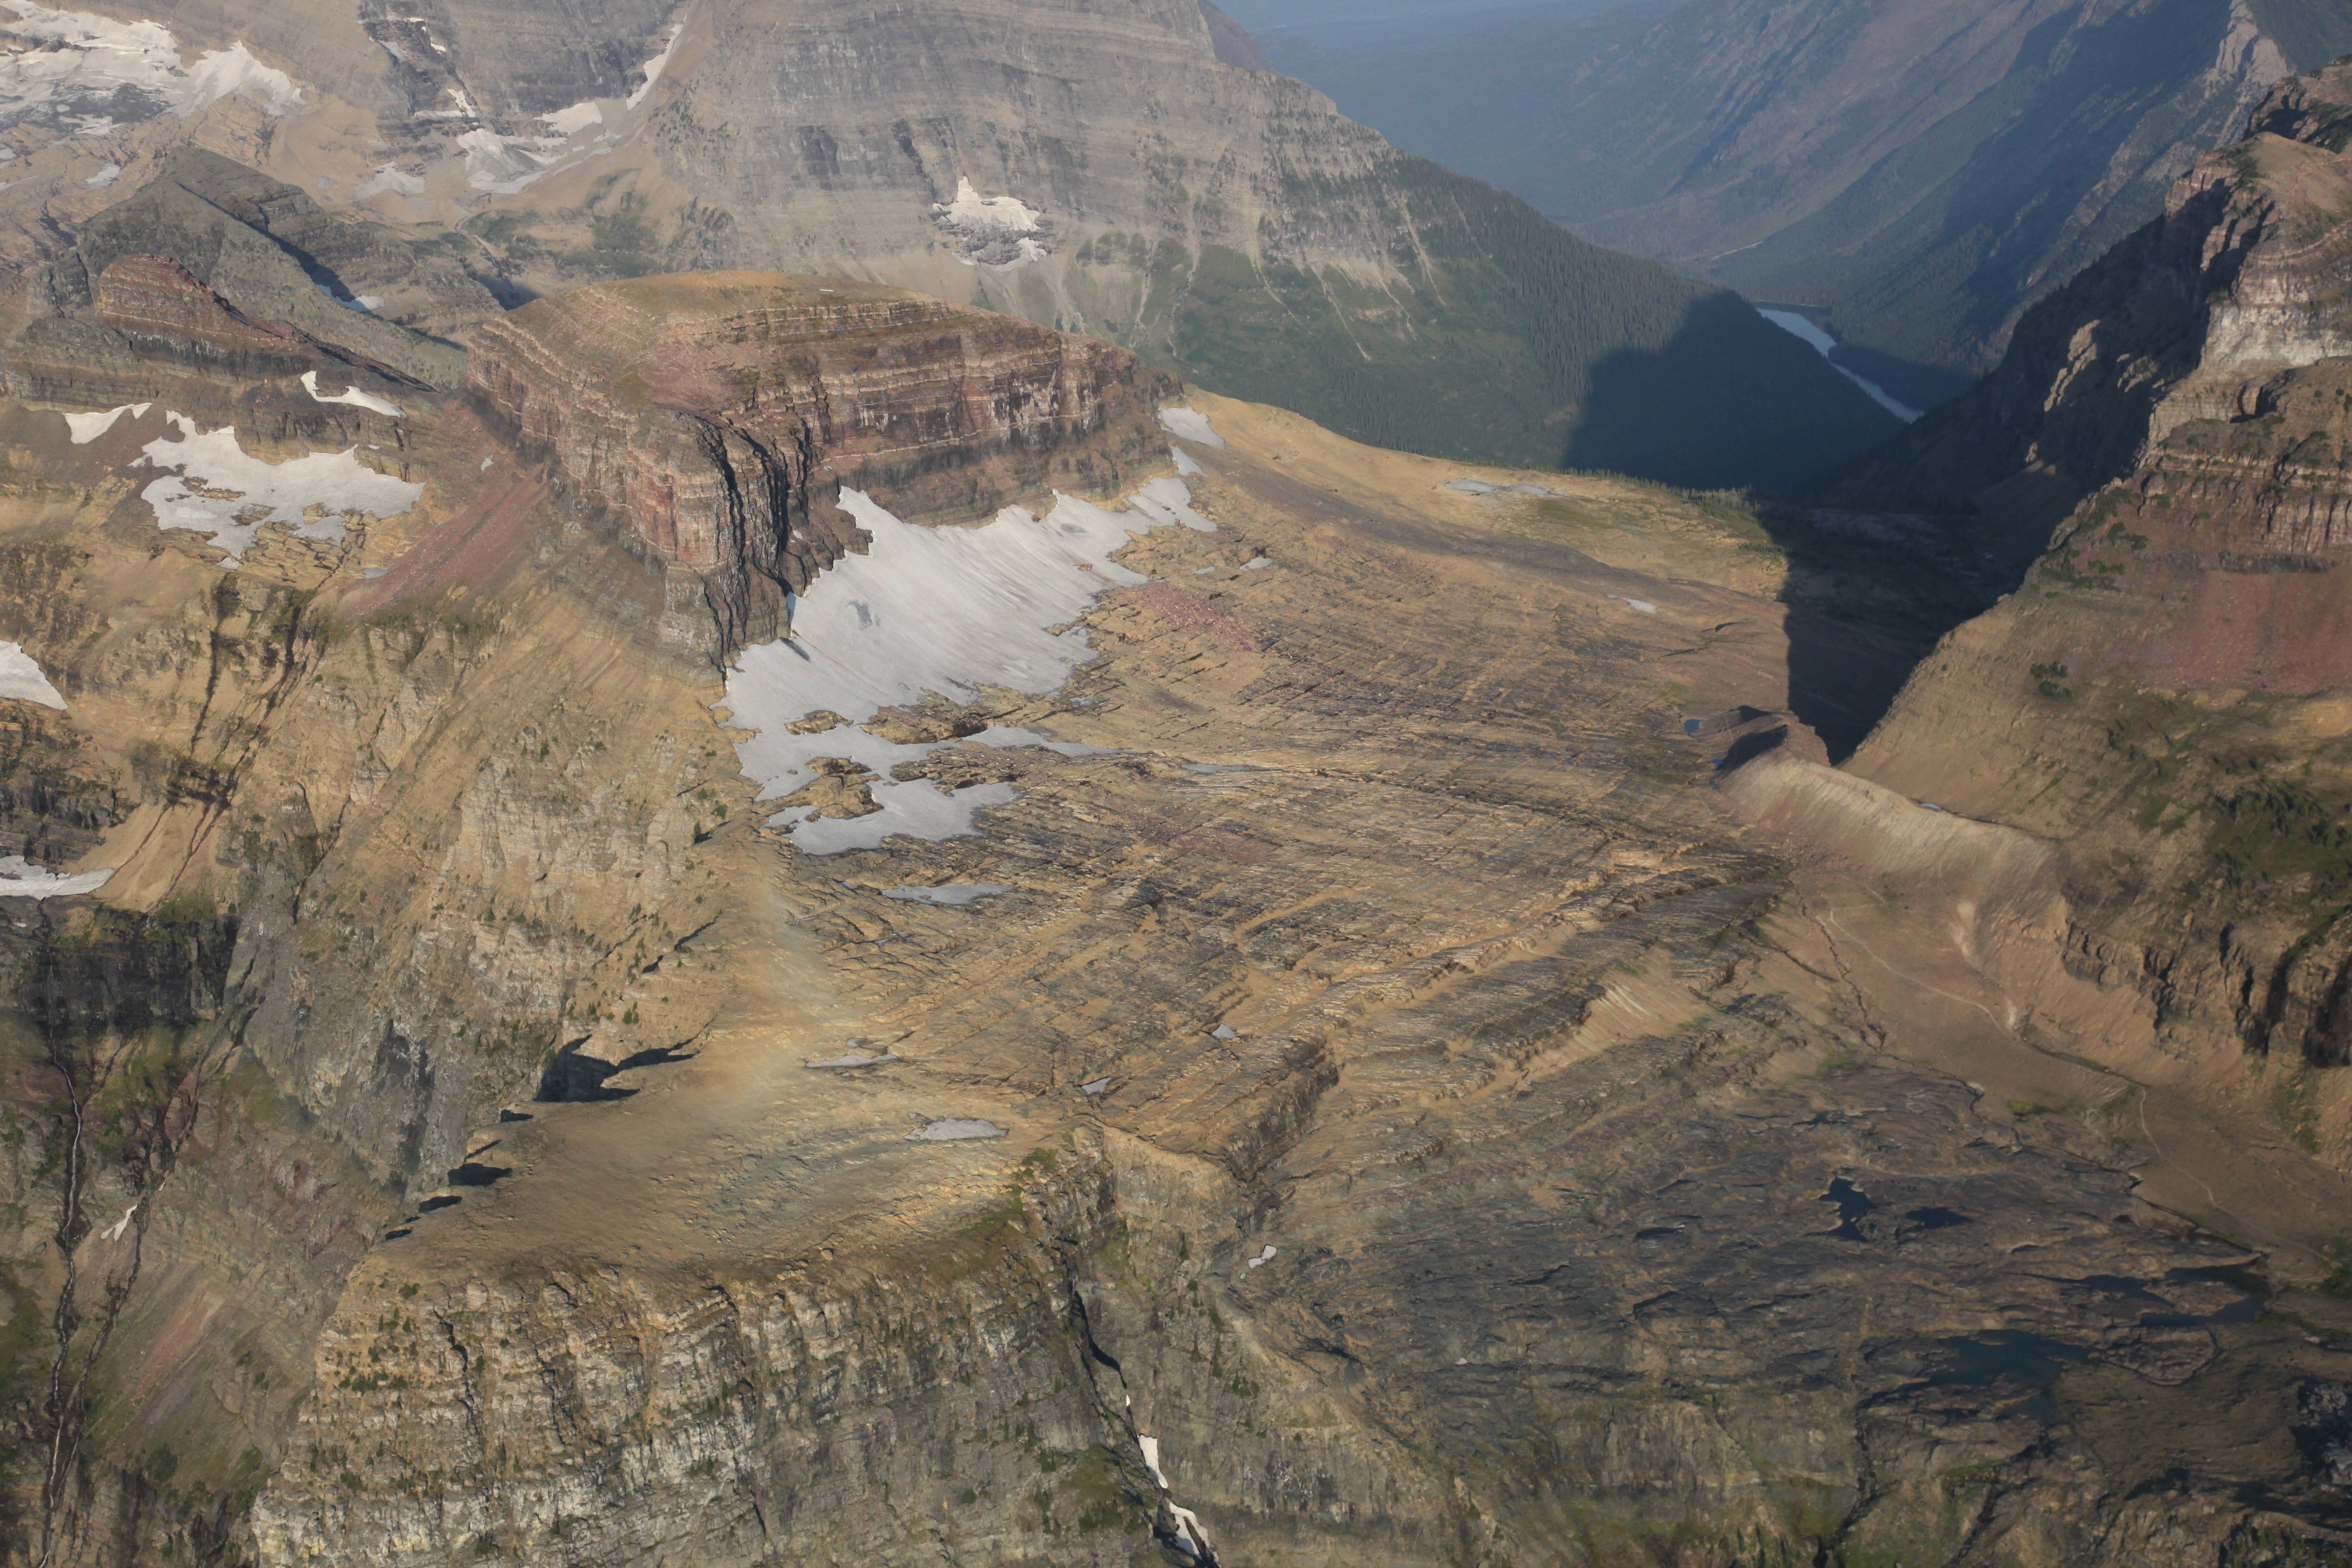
(714, 413)
(1433, 1063)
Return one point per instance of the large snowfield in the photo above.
(944, 611)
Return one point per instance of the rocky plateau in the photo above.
(1403, 1053)
(746, 917)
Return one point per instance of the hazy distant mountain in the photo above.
(1923, 169)
(1121, 170)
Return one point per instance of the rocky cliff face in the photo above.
(1105, 171)
(2192, 317)
(716, 415)
(2160, 697)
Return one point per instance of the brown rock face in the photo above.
(160, 307)
(717, 414)
(2164, 695)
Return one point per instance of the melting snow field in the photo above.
(1000, 231)
(20, 878)
(214, 486)
(389, 177)
(930, 610)
(1821, 344)
(88, 427)
(21, 677)
(91, 73)
(505, 164)
(1189, 1532)
(1190, 424)
(571, 121)
(659, 63)
(351, 395)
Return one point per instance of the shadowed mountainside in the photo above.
(1116, 171)
(1920, 171)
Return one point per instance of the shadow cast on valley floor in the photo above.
(1727, 369)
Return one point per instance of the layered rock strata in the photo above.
(2242, 279)
(1379, 1072)
(1219, 219)
(715, 414)
(2162, 697)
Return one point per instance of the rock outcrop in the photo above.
(212, 269)
(2189, 318)
(715, 415)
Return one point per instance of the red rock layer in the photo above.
(944, 411)
(160, 307)
(2221, 565)
(715, 413)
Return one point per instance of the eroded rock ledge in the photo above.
(715, 415)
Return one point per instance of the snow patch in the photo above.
(351, 395)
(104, 177)
(233, 71)
(1264, 1258)
(389, 177)
(1643, 605)
(1169, 501)
(214, 485)
(1189, 1536)
(21, 677)
(91, 74)
(20, 878)
(86, 427)
(505, 164)
(571, 121)
(659, 63)
(954, 1129)
(364, 303)
(927, 610)
(1187, 466)
(1192, 424)
(114, 1232)
(998, 232)
(1009, 735)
